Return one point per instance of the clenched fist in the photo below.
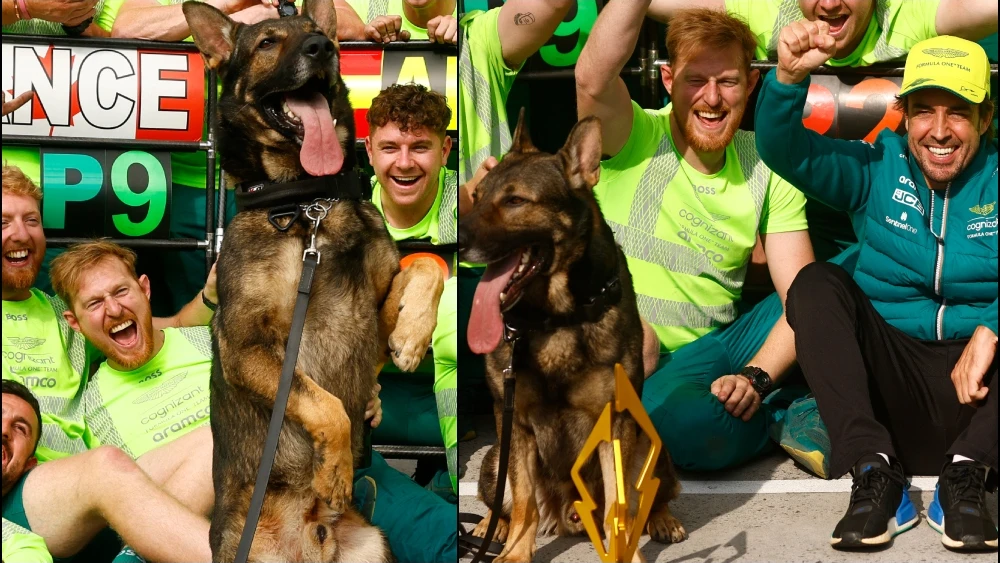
(803, 46)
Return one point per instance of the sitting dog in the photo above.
(283, 117)
(557, 279)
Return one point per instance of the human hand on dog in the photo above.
(374, 408)
(467, 194)
(385, 29)
(209, 289)
(443, 29)
(739, 396)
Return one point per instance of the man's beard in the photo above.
(137, 357)
(22, 278)
(715, 142)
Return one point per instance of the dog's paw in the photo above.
(499, 535)
(517, 554)
(665, 528)
(408, 345)
(334, 486)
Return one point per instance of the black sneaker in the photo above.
(880, 506)
(959, 511)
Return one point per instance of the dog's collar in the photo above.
(347, 184)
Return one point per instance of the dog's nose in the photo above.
(318, 47)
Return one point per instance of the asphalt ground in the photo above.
(770, 510)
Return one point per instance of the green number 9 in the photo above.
(155, 193)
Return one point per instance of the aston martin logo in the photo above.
(984, 209)
(161, 389)
(945, 53)
(919, 81)
(25, 342)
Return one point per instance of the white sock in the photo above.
(886, 458)
(957, 458)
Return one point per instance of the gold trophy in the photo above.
(622, 541)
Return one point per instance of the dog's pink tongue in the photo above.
(485, 323)
(321, 154)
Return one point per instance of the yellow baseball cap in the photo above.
(950, 63)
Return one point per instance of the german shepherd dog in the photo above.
(536, 224)
(284, 116)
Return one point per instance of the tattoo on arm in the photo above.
(527, 18)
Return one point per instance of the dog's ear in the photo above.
(522, 139)
(213, 32)
(324, 14)
(582, 153)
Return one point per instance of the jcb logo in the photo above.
(908, 199)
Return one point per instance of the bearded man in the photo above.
(687, 196)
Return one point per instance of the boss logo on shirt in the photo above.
(10, 317)
(151, 376)
(707, 190)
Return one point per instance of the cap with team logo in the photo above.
(950, 63)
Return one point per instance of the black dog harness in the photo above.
(284, 202)
(606, 296)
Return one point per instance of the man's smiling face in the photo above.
(848, 20)
(23, 242)
(407, 163)
(111, 308)
(943, 133)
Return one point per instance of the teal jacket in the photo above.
(928, 265)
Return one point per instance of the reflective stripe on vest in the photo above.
(638, 240)
(447, 226)
(477, 88)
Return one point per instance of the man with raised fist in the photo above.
(901, 351)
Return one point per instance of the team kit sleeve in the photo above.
(836, 172)
(914, 23)
(23, 546)
(784, 209)
(989, 317)
(635, 149)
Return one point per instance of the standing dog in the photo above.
(284, 116)
(556, 275)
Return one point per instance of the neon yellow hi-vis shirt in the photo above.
(370, 9)
(688, 236)
(41, 351)
(484, 81)
(895, 27)
(439, 226)
(20, 545)
(153, 405)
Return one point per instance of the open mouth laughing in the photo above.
(711, 119)
(125, 334)
(837, 24)
(18, 258)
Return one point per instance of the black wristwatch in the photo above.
(759, 379)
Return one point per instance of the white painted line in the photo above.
(774, 486)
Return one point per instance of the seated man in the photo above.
(878, 343)
(687, 195)
(42, 351)
(408, 147)
(402, 20)
(171, 368)
(22, 428)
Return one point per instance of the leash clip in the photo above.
(315, 212)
